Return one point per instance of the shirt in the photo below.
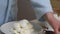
(8, 11)
(41, 7)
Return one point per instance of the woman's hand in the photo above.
(53, 22)
(56, 28)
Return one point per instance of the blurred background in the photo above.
(25, 10)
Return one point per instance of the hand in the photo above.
(53, 22)
(57, 29)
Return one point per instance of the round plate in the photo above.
(5, 28)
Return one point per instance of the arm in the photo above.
(44, 8)
(53, 22)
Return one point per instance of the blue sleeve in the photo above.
(11, 12)
(41, 7)
(8, 11)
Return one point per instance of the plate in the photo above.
(5, 28)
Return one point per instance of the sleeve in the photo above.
(11, 12)
(41, 7)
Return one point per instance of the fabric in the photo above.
(41, 7)
(8, 11)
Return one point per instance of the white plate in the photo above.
(5, 28)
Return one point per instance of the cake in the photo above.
(22, 27)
